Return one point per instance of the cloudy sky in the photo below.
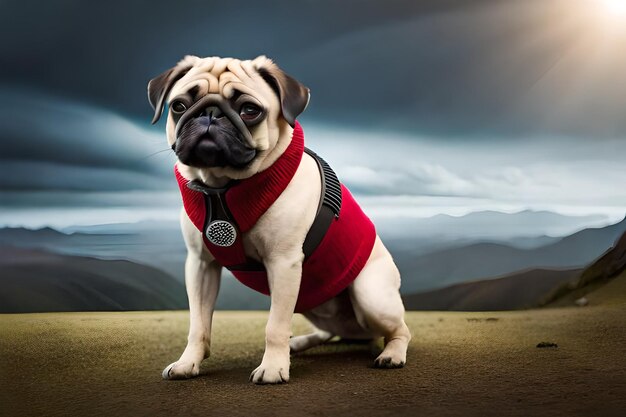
(422, 107)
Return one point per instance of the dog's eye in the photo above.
(249, 111)
(178, 107)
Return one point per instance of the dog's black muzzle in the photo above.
(211, 133)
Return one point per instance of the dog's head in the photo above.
(226, 116)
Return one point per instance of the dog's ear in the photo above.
(160, 86)
(293, 96)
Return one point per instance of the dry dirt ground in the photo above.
(459, 364)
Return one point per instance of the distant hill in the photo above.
(480, 260)
(609, 266)
(512, 292)
(39, 281)
(16, 234)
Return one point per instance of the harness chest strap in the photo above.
(221, 229)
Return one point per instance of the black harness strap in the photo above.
(328, 209)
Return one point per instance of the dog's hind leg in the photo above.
(378, 307)
(307, 341)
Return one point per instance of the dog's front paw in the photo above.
(182, 370)
(270, 374)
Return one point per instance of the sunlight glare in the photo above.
(616, 8)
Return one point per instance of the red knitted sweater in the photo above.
(334, 264)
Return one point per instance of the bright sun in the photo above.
(615, 7)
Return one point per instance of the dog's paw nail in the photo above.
(387, 363)
(383, 362)
(260, 378)
(166, 374)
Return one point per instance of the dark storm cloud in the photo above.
(448, 68)
(108, 51)
(50, 143)
(25, 175)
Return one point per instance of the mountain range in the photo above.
(487, 225)
(158, 245)
(485, 259)
(425, 266)
(526, 289)
(34, 280)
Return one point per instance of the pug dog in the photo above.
(232, 124)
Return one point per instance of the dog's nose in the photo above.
(212, 112)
